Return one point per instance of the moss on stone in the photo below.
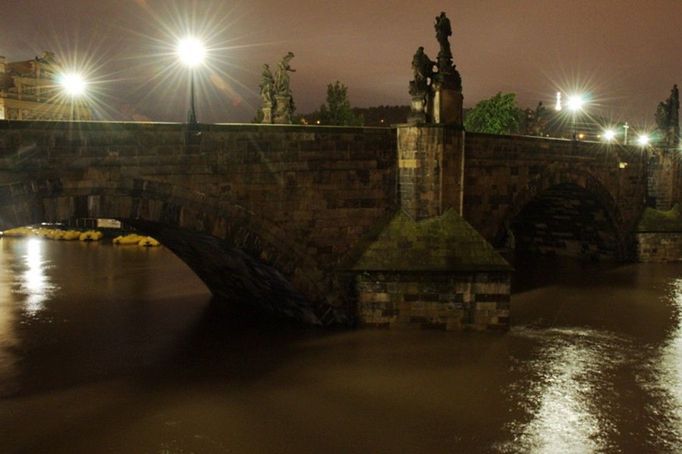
(654, 220)
(446, 243)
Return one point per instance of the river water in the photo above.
(120, 349)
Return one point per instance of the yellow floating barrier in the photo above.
(17, 232)
(70, 235)
(126, 240)
(148, 241)
(91, 235)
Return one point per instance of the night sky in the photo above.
(626, 53)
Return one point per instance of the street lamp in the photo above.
(191, 53)
(575, 104)
(74, 86)
(643, 140)
(609, 135)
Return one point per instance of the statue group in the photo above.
(436, 89)
(278, 103)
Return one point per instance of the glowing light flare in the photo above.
(191, 51)
(609, 135)
(575, 103)
(73, 84)
(643, 140)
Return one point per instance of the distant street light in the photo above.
(575, 104)
(643, 140)
(74, 86)
(609, 135)
(191, 53)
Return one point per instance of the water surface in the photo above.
(120, 349)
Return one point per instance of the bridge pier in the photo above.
(429, 267)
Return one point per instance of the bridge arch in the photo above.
(238, 254)
(566, 212)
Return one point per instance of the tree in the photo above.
(337, 110)
(497, 115)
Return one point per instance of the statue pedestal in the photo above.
(430, 169)
(282, 110)
(267, 113)
(447, 100)
(418, 109)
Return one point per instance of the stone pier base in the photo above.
(436, 272)
(659, 247)
(451, 301)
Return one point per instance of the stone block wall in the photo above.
(504, 173)
(659, 246)
(451, 301)
(430, 163)
(297, 198)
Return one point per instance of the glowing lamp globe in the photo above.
(643, 140)
(73, 84)
(575, 103)
(609, 135)
(191, 51)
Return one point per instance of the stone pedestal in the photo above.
(282, 110)
(267, 113)
(446, 108)
(418, 109)
(430, 169)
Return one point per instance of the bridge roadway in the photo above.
(279, 212)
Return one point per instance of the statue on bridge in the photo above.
(276, 92)
(267, 93)
(422, 66)
(443, 34)
(668, 119)
(436, 95)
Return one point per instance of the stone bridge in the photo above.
(283, 213)
(570, 198)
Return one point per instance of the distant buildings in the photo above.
(29, 90)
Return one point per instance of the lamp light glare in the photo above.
(609, 135)
(191, 51)
(575, 103)
(643, 140)
(73, 84)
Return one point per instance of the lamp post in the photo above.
(74, 86)
(191, 53)
(626, 126)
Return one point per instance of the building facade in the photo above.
(29, 90)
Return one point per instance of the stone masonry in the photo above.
(290, 209)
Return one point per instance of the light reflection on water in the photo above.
(34, 283)
(560, 391)
(664, 363)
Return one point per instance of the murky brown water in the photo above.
(106, 349)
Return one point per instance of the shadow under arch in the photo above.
(572, 212)
(238, 254)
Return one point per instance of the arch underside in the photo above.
(567, 220)
(239, 256)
